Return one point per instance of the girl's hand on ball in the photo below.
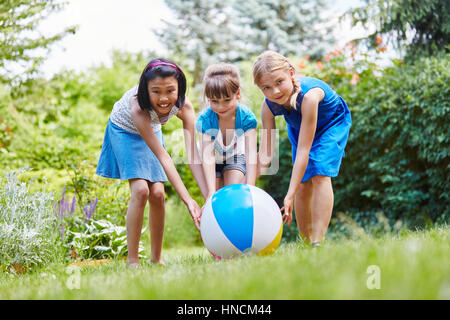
(195, 211)
(287, 208)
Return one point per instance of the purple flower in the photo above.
(85, 211)
(92, 206)
(74, 202)
(66, 207)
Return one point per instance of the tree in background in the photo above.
(291, 27)
(20, 40)
(202, 33)
(210, 31)
(425, 23)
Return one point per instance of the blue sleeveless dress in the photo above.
(125, 155)
(333, 126)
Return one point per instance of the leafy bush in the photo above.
(109, 83)
(95, 239)
(28, 232)
(398, 151)
(112, 196)
(84, 237)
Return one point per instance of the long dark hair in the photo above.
(160, 68)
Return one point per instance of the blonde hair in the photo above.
(270, 61)
(221, 80)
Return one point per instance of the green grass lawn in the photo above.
(414, 265)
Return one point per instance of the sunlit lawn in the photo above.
(415, 265)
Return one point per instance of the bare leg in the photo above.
(302, 207)
(233, 177)
(156, 219)
(219, 183)
(321, 207)
(138, 200)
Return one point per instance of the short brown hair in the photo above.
(221, 80)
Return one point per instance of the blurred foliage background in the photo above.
(396, 170)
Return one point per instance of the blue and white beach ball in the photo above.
(241, 219)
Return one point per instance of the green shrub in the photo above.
(109, 83)
(87, 230)
(28, 226)
(397, 158)
(95, 239)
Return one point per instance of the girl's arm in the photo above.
(187, 116)
(267, 143)
(209, 163)
(309, 110)
(141, 120)
(251, 158)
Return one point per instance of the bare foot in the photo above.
(158, 262)
(132, 264)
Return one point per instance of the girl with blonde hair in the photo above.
(318, 123)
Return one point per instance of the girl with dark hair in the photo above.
(133, 149)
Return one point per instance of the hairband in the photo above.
(161, 63)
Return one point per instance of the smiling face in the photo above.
(163, 94)
(277, 86)
(225, 106)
